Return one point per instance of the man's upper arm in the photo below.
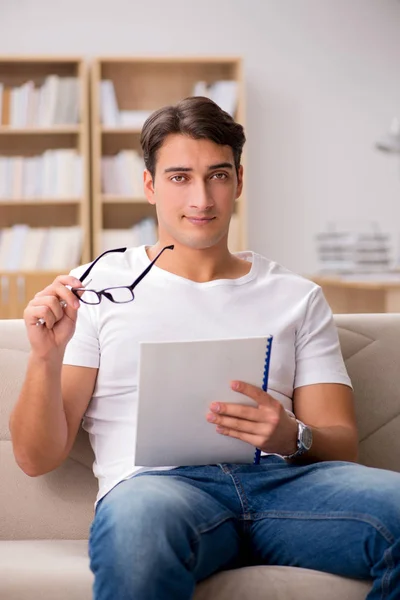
(77, 385)
(325, 405)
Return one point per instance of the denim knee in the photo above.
(142, 519)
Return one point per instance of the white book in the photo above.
(66, 173)
(17, 176)
(108, 185)
(61, 104)
(137, 179)
(52, 99)
(5, 244)
(74, 101)
(14, 100)
(49, 98)
(78, 176)
(133, 118)
(33, 107)
(224, 93)
(16, 247)
(200, 88)
(115, 238)
(49, 174)
(3, 176)
(124, 179)
(108, 104)
(175, 432)
(75, 248)
(48, 249)
(25, 93)
(33, 247)
(147, 230)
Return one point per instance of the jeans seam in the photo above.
(375, 523)
(388, 557)
(195, 540)
(241, 494)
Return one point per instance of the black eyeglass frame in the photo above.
(106, 292)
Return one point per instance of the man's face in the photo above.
(194, 191)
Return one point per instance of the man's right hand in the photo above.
(49, 340)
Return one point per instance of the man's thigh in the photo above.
(334, 516)
(148, 518)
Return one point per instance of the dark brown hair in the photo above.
(196, 117)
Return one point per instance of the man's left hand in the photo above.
(268, 426)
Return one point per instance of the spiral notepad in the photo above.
(177, 383)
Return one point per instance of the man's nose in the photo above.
(201, 197)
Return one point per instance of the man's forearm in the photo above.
(332, 443)
(38, 424)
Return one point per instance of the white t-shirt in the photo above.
(167, 307)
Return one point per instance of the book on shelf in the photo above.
(53, 174)
(24, 248)
(112, 116)
(222, 92)
(55, 102)
(122, 174)
(142, 233)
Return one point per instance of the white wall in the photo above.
(323, 81)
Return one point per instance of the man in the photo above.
(156, 532)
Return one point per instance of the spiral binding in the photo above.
(264, 386)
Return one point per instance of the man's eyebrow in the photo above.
(223, 165)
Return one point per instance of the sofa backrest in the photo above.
(60, 504)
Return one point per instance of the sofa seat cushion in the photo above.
(45, 569)
(49, 569)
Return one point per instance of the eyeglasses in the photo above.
(120, 294)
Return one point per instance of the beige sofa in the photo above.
(44, 521)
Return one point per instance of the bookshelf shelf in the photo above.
(63, 130)
(38, 201)
(124, 90)
(120, 130)
(108, 199)
(44, 174)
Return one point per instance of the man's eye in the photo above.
(220, 176)
(178, 178)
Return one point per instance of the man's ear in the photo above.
(149, 187)
(240, 182)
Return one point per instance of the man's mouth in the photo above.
(199, 220)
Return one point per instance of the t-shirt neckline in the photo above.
(245, 255)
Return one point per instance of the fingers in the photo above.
(254, 440)
(58, 288)
(50, 308)
(263, 428)
(254, 392)
(236, 410)
(49, 304)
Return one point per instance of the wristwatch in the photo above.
(304, 440)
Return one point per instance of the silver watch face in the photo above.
(305, 437)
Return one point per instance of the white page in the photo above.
(177, 383)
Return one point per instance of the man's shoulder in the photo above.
(269, 269)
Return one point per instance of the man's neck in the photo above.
(200, 265)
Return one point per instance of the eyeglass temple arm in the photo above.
(90, 267)
(139, 279)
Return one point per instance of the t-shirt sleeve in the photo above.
(318, 355)
(83, 349)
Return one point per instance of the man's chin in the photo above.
(200, 243)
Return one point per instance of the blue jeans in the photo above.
(157, 534)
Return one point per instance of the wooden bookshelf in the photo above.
(146, 84)
(17, 287)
